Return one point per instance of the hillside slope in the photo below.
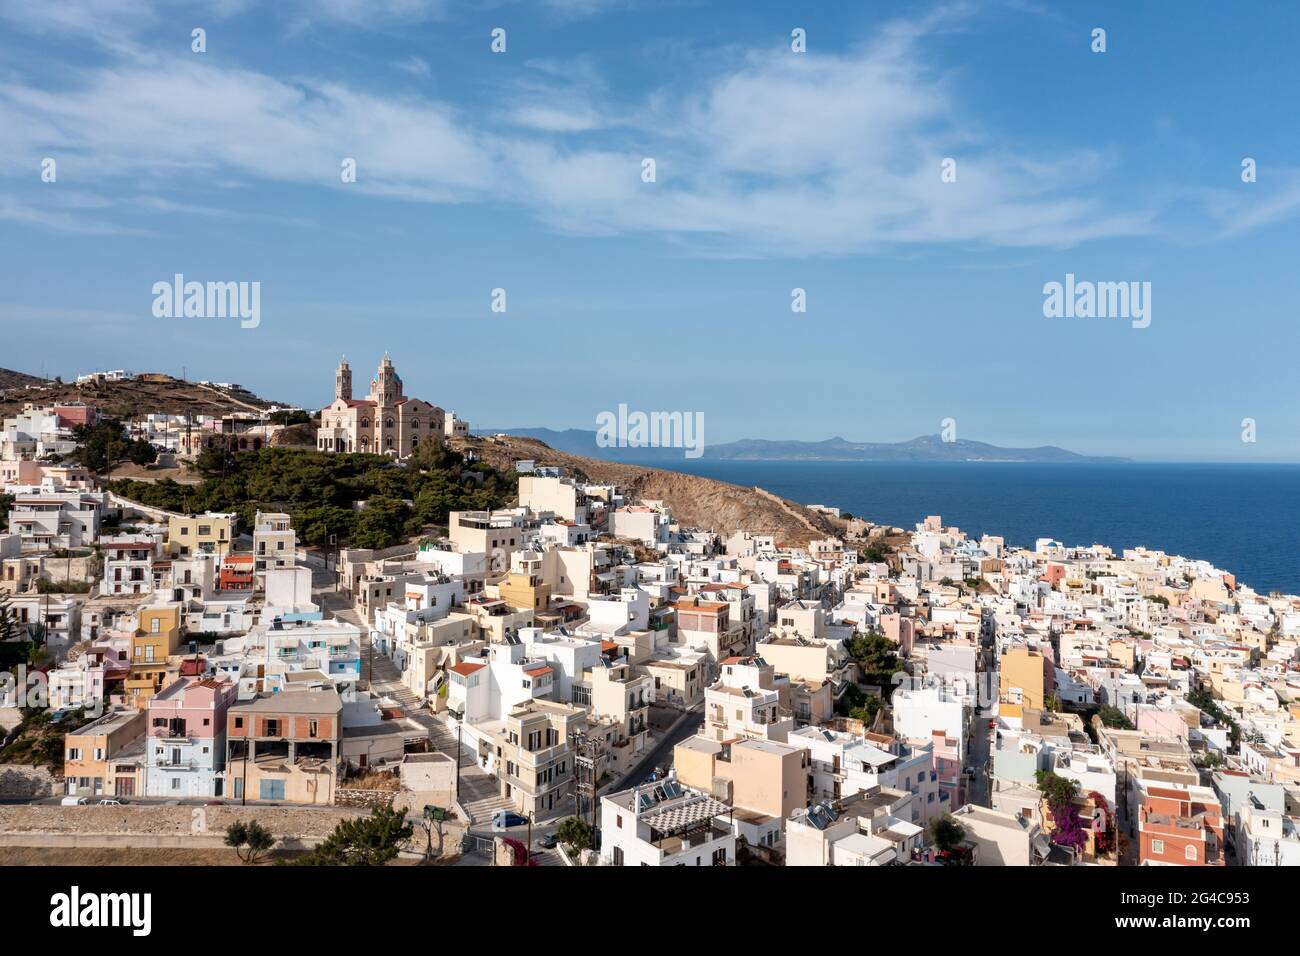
(11, 379)
(695, 501)
(148, 392)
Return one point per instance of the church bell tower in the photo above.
(343, 381)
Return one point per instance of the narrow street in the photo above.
(662, 751)
(978, 761)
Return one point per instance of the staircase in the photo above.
(480, 795)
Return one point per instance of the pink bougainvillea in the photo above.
(1067, 828)
(519, 853)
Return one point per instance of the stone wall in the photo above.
(20, 780)
(176, 826)
(366, 799)
(287, 823)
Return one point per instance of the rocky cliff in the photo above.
(695, 501)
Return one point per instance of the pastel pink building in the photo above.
(1162, 723)
(947, 764)
(185, 746)
(70, 416)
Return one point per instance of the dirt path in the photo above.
(785, 506)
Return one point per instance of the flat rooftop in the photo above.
(107, 723)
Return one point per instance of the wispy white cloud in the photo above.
(113, 24)
(414, 65)
(1245, 207)
(47, 316)
(770, 153)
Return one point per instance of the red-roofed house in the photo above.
(236, 573)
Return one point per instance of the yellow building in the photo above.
(1023, 678)
(209, 533)
(523, 588)
(143, 682)
(157, 637)
(1124, 653)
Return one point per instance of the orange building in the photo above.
(236, 573)
(1180, 825)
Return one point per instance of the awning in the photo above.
(685, 815)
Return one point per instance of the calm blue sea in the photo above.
(1243, 518)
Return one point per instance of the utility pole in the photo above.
(584, 748)
(459, 725)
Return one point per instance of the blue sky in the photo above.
(775, 170)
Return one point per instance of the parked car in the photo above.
(111, 802)
(507, 818)
(74, 801)
(548, 842)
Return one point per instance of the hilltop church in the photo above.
(385, 422)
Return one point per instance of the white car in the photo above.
(110, 802)
(75, 801)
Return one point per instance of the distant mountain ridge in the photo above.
(577, 441)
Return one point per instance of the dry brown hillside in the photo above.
(695, 501)
(11, 379)
(148, 392)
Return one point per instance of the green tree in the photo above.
(852, 696)
(213, 462)
(141, 452)
(576, 833)
(319, 491)
(871, 706)
(318, 523)
(380, 522)
(1114, 717)
(875, 655)
(101, 445)
(363, 841)
(286, 417)
(1059, 791)
(1208, 760)
(249, 840)
(875, 553)
(8, 621)
(947, 835)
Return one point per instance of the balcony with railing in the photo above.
(540, 758)
(527, 782)
(169, 764)
(171, 736)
